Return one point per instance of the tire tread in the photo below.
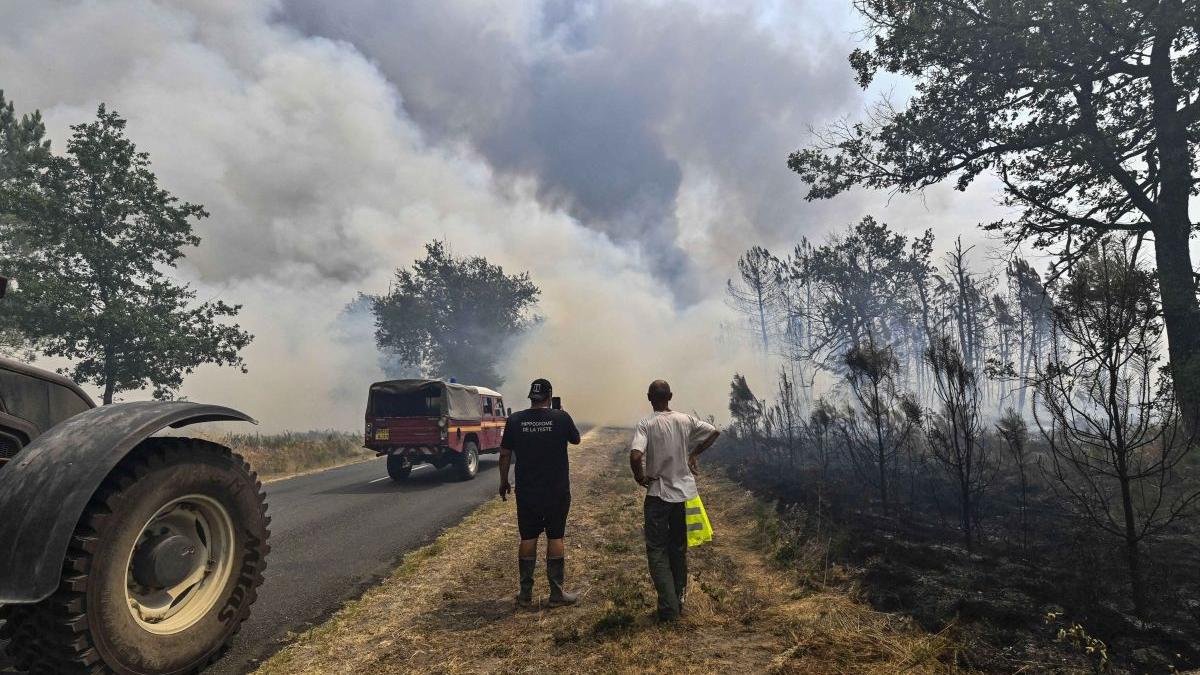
(52, 636)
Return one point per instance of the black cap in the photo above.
(540, 389)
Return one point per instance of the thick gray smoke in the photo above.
(609, 106)
(624, 153)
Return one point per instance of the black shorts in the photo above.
(543, 513)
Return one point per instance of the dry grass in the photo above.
(276, 456)
(449, 607)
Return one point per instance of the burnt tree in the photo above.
(1088, 112)
(1112, 423)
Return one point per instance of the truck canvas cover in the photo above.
(457, 401)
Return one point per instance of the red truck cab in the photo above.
(430, 421)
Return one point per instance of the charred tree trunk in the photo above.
(1132, 557)
(967, 508)
(881, 458)
(1181, 314)
(1172, 225)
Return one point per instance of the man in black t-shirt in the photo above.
(539, 437)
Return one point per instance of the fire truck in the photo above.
(420, 421)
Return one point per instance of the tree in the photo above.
(454, 317)
(857, 281)
(821, 422)
(759, 295)
(1015, 433)
(968, 304)
(1110, 420)
(888, 415)
(745, 409)
(1033, 319)
(23, 148)
(1006, 337)
(956, 430)
(1088, 112)
(787, 410)
(90, 237)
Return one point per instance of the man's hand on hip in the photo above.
(694, 464)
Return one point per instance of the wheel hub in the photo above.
(166, 560)
(179, 564)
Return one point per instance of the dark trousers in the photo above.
(666, 551)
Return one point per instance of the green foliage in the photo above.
(23, 147)
(1075, 636)
(1088, 113)
(90, 236)
(449, 316)
(1058, 98)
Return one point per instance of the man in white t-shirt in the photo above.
(669, 442)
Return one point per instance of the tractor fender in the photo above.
(45, 488)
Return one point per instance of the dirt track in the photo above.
(449, 607)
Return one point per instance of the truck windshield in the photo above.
(425, 403)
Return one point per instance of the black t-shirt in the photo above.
(538, 439)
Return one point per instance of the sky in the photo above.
(624, 153)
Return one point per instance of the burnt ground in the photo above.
(1004, 603)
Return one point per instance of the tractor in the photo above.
(123, 549)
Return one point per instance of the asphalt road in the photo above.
(336, 532)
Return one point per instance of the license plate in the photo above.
(383, 435)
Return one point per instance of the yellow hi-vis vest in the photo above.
(699, 530)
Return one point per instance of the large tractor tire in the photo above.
(466, 464)
(161, 571)
(399, 467)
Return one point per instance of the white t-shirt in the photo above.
(666, 438)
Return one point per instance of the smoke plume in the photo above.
(624, 153)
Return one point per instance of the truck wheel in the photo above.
(162, 567)
(467, 462)
(399, 467)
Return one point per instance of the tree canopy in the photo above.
(23, 146)
(1087, 112)
(90, 236)
(454, 317)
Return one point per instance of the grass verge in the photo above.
(448, 608)
(276, 456)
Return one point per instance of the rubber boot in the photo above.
(527, 566)
(555, 571)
